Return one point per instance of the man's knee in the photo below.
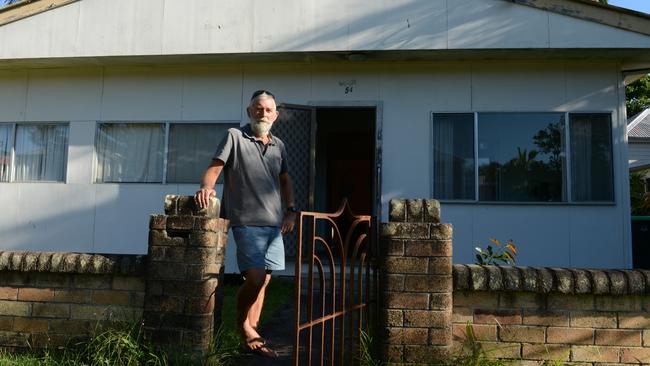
(255, 278)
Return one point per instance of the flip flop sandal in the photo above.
(256, 339)
(263, 351)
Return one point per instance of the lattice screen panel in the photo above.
(294, 127)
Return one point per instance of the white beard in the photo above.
(260, 127)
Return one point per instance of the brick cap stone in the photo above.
(474, 277)
(414, 210)
(60, 262)
(185, 205)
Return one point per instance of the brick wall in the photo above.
(523, 314)
(185, 267)
(416, 283)
(532, 314)
(49, 299)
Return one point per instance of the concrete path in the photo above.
(278, 331)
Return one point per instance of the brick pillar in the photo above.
(416, 283)
(185, 266)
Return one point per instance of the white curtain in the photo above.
(191, 148)
(592, 170)
(443, 158)
(41, 152)
(581, 158)
(5, 150)
(130, 152)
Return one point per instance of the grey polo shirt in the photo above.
(251, 193)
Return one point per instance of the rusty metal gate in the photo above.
(336, 286)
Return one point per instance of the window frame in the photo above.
(167, 128)
(567, 144)
(12, 156)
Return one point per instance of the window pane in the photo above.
(591, 157)
(5, 150)
(130, 152)
(521, 157)
(191, 148)
(453, 156)
(41, 152)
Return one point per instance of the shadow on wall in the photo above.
(414, 25)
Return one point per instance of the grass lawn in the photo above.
(121, 346)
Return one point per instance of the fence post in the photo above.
(184, 270)
(416, 284)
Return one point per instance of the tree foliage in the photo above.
(638, 96)
(639, 198)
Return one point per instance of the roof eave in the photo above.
(27, 8)
(590, 10)
(637, 119)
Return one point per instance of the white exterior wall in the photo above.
(639, 154)
(82, 216)
(100, 28)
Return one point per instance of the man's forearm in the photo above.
(211, 174)
(202, 196)
(209, 179)
(286, 190)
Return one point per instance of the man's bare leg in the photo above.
(256, 309)
(246, 296)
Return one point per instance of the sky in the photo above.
(638, 5)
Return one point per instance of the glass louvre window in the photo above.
(130, 152)
(191, 148)
(453, 156)
(39, 152)
(521, 157)
(591, 157)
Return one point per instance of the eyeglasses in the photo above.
(262, 92)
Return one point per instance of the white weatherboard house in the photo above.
(509, 112)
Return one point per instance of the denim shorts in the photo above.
(259, 247)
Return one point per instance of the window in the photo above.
(523, 157)
(453, 156)
(130, 152)
(135, 152)
(33, 152)
(591, 157)
(191, 148)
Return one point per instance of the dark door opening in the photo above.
(345, 159)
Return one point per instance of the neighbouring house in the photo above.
(638, 140)
(511, 113)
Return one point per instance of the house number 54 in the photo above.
(348, 86)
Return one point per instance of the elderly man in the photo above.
(256, 187)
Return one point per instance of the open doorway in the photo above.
(331, 153)
(345, 159)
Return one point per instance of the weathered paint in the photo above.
(594, 11)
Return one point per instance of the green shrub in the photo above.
(500, 254)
